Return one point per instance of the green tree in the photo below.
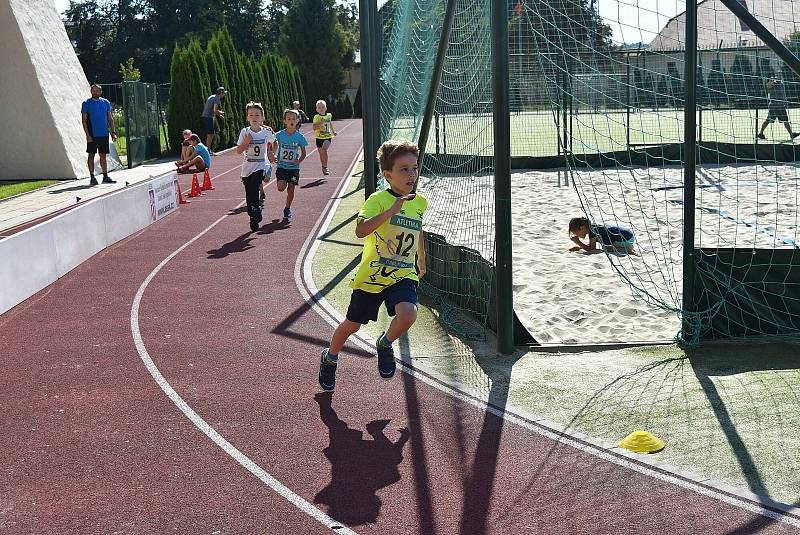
(320, 54)
(128, 72)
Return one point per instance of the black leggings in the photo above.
(251, 183)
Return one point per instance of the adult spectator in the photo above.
(212, 109)
(98, 124)
(776, 108)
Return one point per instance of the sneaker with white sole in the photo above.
(386, 364)
(327, 371)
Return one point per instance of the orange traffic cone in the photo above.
(206, 182)
(195, 192)
(181, 200)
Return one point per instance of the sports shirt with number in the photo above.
(326, 132)
(255, 157)
(390, 252)
(289, 148)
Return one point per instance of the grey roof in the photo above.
(719, 28)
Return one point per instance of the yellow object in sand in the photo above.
(642, 442)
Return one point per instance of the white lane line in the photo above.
(198, 421)
(303, 275)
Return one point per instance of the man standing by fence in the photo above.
(97, 124)
(211, 110)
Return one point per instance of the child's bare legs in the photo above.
(345, 329)
(289, 195)
(405, 316)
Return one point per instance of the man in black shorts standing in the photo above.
(98, 124)
(777, 108)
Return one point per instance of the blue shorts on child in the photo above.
(364, 306)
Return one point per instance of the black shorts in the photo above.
(778, 113)
(321, 142)
(364, 306)
(98, 144)
(208, 124)
(292, 176)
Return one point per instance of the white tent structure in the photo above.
(41, 89)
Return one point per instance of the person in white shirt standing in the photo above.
(256, 142)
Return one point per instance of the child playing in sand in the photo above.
(392, 261)
(613, 239)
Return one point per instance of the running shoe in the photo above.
(287, 214)
(386, 364)
(761, 136)
(327, 371)
(325, 171)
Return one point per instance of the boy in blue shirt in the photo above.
(612, 238)
(201, 161)
(291, 151)
(98, 124)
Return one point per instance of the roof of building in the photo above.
(719, 28)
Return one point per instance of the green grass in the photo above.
(727, 412)
(9, 189)
(535, 133)
(122, 143)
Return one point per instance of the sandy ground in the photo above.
(567, 297)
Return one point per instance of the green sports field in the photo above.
(536, 134)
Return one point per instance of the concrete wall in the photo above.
(36, 257)
(41, 89)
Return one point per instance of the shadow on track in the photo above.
(240, 244)
(314, 184)
(359, 467)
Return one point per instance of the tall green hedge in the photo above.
(196, 71)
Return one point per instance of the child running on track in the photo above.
(256, 142)
(291, 151)
(392, 261)
(323, 132)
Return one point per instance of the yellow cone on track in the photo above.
(642, 442)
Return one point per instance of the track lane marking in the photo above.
(208, 430)
(775, 510)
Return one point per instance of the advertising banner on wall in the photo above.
(163, 192)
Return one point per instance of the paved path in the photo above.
(93, 444)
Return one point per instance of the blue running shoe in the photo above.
(386, 364)
(327, 371)
(287, 214)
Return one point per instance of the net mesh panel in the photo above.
(457, 178)
(597, 102)
(142, 120)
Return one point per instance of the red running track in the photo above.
(91, 443)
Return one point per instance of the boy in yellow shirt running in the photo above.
(323, 132)
(392, 261)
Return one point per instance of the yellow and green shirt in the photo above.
(390, 252)
(326, 132)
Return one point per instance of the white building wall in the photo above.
(42, 86)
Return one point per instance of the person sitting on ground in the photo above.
(202, 159)
(187, 149)
(612, 238)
